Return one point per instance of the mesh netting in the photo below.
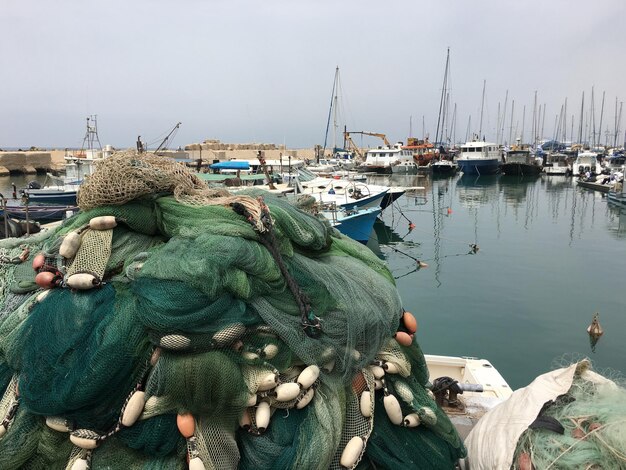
(229, 329)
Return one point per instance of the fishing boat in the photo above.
(423, 151)
(39, 212)
(384, 158)
(557, 164)
(354, 223)
(444, 167)
(520, 162)
(405, 167)
(479, 158)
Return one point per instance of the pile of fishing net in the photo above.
(169, 326)
(568, 418)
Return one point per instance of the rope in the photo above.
(310, 322)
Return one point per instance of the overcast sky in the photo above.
(262, 71)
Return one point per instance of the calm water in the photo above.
(550, 255)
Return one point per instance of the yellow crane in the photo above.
(349, 143)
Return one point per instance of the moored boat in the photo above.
(382, 159)
(479, 158)
(520, 162)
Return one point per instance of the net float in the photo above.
(365, 404)
(85, 439)
(404, 392)
(411, 420)
(308, 376)
(427, 416)
(196, 464)
(42, 295)
(329, 366)
(228, 334)
(270, 351)
(133, 408)
(403, 338)
(3, 430)
(378, 384)
(252, 399)
(57, 423)
(186, 425)
(262, 416)
(377, 371)
(244, 420)
(82, 281)
(392, 407)
(287, 391)
(174, 342)
(352, 452)
(391, 368)
(154, 357)
(103, 222)
(410, 323)
(47, 280)
(39, 261)
(70, 245)
(305, 399)
(250, 356)
(80, 464)
(268, 382)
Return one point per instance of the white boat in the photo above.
(586, 162)
(382, 159)
(557, 164)
(479, 158)
(466, 388)
(404, 167)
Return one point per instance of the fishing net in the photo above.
(170, 325)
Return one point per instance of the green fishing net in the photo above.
(170, 325)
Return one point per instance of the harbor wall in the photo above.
(30, 162)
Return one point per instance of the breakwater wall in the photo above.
(31, 162)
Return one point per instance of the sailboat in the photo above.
(78, 165)
(443, 166)
(340, 156)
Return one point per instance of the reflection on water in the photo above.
(547, 256)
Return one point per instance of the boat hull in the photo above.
(479, 166)
(358, 225)
(520, 169)
(52, 197)
(619, 199)
(39, 213)
(444, 169)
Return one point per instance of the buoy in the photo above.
(80, 464)
(377, 371)
(3, 430)
(186, 425)
(403, 338)
(378, 384)
(57, 423)
(268, 382)
(262, 416)
(365, 404)
(449, 210)
(252, 399)
(392, 407)
(421, 264)
(411, 420)
(174, 342)
(409, 321)
(103, 222)
(244, 420)
(82, 281)
(47, 280)
(156, 354)
(595, 329)
(352, 452)
(39, 261)
(270, 351)
(250, 356)
(287, 391)
(524, 462)
(70, 245)
(196, 464)
(305, 399)
(411, 226)
(134, 408)
(228, 334)
(391, 368)
(42, 295)
(85, 439)
(308, 376)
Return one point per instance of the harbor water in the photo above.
(548, 256)
(516, 269)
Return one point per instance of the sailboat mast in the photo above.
(443, 95)
(482, 106)
(565, 121)
(601, 116)
(580, 127)
(506, 100)
(511, 127)
(330, 109)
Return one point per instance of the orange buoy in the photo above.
(39, 261)
(411, 226)
(403, 338)
(410, 323)
(449, 210)
(186, 425)
(46, 279)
